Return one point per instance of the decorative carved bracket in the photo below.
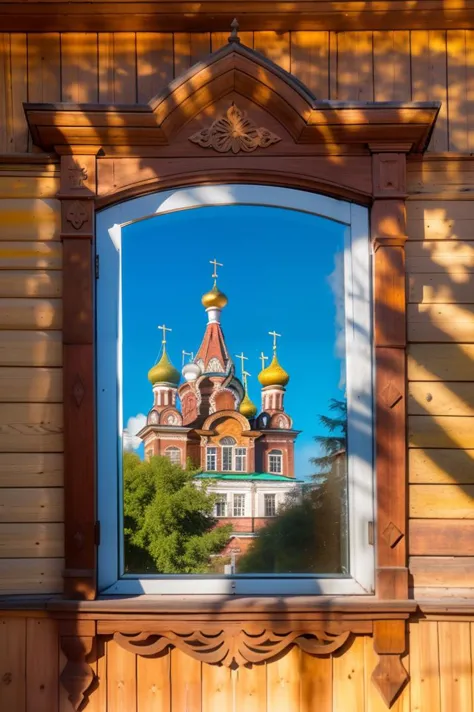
(77, 676)
(232, 646)
(389, 676)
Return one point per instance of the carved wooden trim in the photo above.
(389, 675)
(77, 677)
(233, 646)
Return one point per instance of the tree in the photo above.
(308, 535)
(169, 527)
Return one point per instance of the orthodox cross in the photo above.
(263, 358)
(275, 336)
(164, 329)
(187, 353)
(216, 265)
(242, 359)
(245, 375)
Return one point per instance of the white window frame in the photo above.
(174, 450)
(275, 454)
(221, 498)
(240, 454)
(242, 498)
(359, 362)
(266, 496)
(211, 452)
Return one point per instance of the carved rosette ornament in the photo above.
(231, 647)
(234, 132)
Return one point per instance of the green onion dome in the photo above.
(164, 371)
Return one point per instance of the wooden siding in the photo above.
(439, 661)
(129, 67)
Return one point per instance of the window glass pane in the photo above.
(242, 387)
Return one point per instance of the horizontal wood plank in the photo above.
(31, 427)
(441, 322)
(18, 283)
(31, 385)
(38, 504)
(447, 537)
(438, 225)
(439, 398)
(444, 362)
(31, 540)
(452, 257)
(452, 571)
(30, 255)
(31, 576)
(441, 501)
(437, 466)
(31, 348)
(31, 314)
(440, 431)
(29, 219)
(31, 469)
(17, 187)
(440, 288)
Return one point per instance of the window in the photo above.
(221, 505)
(275, 462)
(174, 455)
(239, 505)
(269, 505)
(211, 459)
(240, 459)
(330, 239)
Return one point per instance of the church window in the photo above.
(275, 462)
(269, 505)
(238, 505)
(240, 459)
(227, 444)
(211, 459)
(174, 455)
(221, 505)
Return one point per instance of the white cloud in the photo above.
(129, 435)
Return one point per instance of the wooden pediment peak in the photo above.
(233, 70)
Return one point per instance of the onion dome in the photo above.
(214, 299)
(164, 371)
(247, 408)
(191, 372)
(274, 374)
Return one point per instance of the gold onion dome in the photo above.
(247, 408)
(274, 374)
(164, 371)
(214, 298)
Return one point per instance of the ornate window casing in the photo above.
(355, 153)
(174, 455)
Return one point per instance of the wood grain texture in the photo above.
(217, 688)
(429, 78)
(348, 673)
(251, 688)
(275, 46)
(13, 664)
(440, 431)
(42, 665)
(440, 322)
(446, 362)
(446, 257)
(30, 255)
(424, 667)
(440, 289)
(441, 502)
(31, 385)
(316, 683)
(186, 682)
(284, 681)
(309, 55)
(39, 504)
(154, 683)
(31, 540)
(121, 678)
(442, 571)
(437, 466)
(30, 283)
(355, 66)
(451, 537)
(391, 66)
(79, 70)
(373, 698)
(31, 348)
(29, 218)
(441, 398)
(31, 427)
(154, 63)
(30, 314)
(455, 675)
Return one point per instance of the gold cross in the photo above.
(275, 335)
(216, 265)
(187, 353)
(164, 329)
(242, 359)
(263, 358)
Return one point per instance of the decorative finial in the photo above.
(242, 359)
(186, 353)
(234, 35)
(216, 265)
(263, 358)
(275, 336)
(164, 329)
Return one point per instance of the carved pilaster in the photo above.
(78, 645)
(389, 676)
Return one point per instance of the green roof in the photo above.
(250, 476)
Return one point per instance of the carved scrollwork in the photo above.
(234, 132)
(231, 647)
(77, 677)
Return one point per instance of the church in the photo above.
(210, 420)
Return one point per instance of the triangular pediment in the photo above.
(235, 72)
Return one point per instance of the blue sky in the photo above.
(282, 271)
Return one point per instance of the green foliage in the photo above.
(169, 527)
(336, 441)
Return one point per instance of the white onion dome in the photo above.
(191, 372)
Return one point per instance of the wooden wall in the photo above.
(129, 67)
(439, 662)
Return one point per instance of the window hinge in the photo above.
(97, 533)
(97, 266)
(370, 527)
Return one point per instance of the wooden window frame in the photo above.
(355, 151)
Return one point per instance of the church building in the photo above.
(211, 420)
